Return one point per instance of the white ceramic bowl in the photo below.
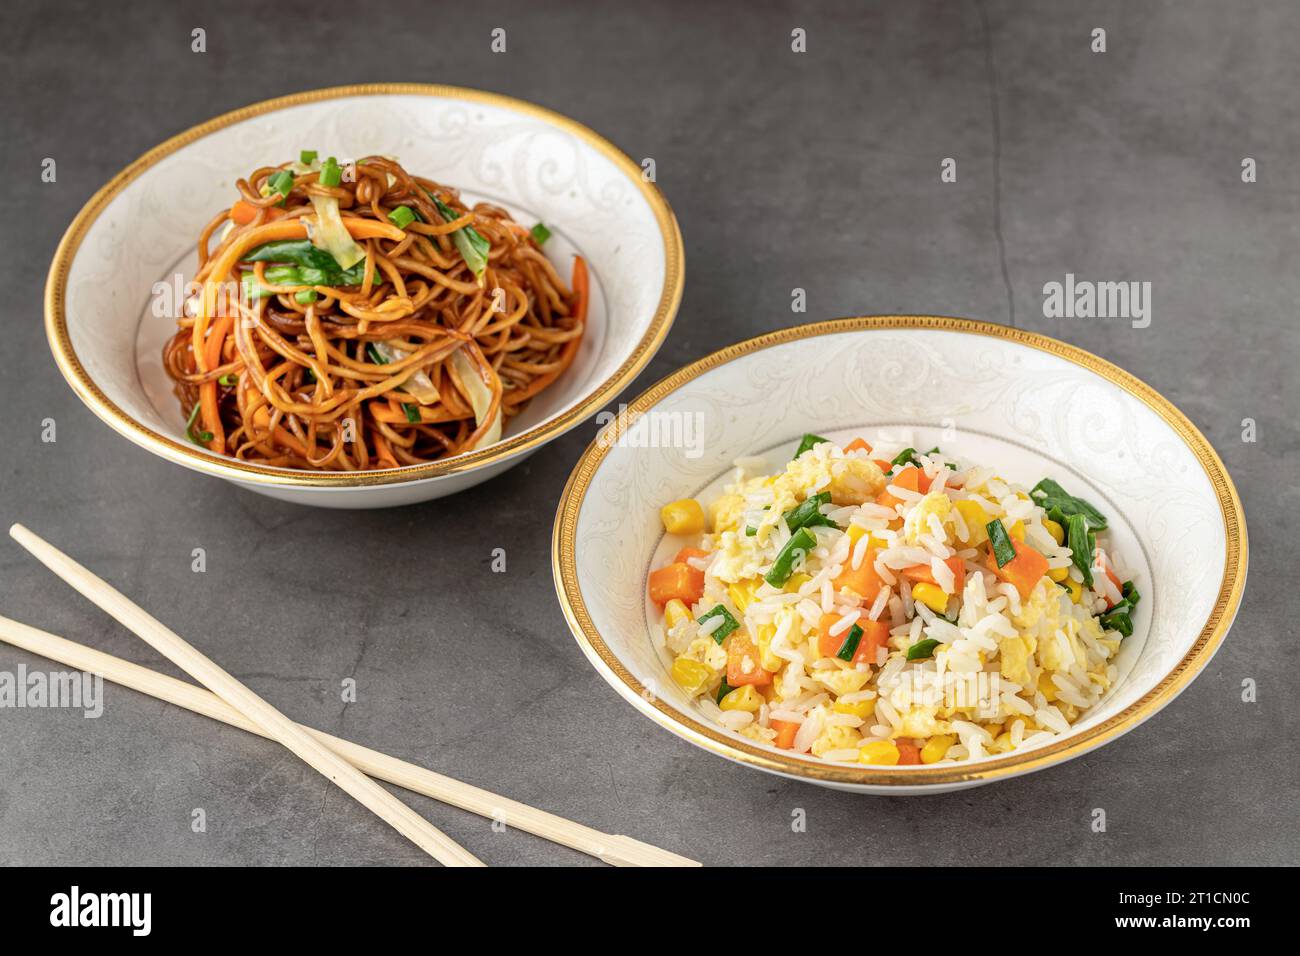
(1034, 406)
(142, 227)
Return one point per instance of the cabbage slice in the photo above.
(479, 396)
(418, 384)
(330, 235)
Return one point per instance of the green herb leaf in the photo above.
(1117, 621)
(1081, 542)
(808, 513)
(922, 650)
(1048, 495)
(728, 624)
(540, 233)
(199, 438)
(935, 451)
(850, 645)
(905, 457)
(1003, 549)
(808, 441)
(800, 543)
(412, 413)
(468, 240)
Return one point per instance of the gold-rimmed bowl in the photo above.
(1033, 405)
(116, 277)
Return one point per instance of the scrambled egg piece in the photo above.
(918, 519)
(851, 481)
(842, 682)
(724, 514)
(708, 652)
(1014, 652)
(1041, 605)
(836, 737)
(920, 721)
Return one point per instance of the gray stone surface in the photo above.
(819, 171)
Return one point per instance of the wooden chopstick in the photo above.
(273, 723)
(611, 848)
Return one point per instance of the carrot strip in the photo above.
(208, 412)
(385, 454)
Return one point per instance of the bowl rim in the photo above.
(713, 739)
(74, 372)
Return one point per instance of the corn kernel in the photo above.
(1055, 530)
(993, 729)
(691, 675)
(675, 611)
(682, 517)
(1059, 574)
(931, 595)
(1017, 531)
(858, 708)
(742, 698)
(766, 659)
(1046, 687)
(1001, 744)
(741, 595)
(796, 582)
(1075, 589)
(879, 752)
(936, 747)
(975, 517)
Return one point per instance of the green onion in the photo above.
(303, 296)
(315, 266)
(473, 247)
(412, 413)
(922, 649)
(800, 543)
(281, 182)
(330, 173)
(307, 157)
(808, 514)
(540, 233)
(935, 451)
(201, 438)
(750, 531)
(228, 380)
(905, 457)
(808, 441)
(850, 645)
(1048, 495)
(1003, 549)
(1118, 616)
(1080, 540)
(401, 217)
(723, 690)
(728, 624)
(374, 354)
(1120, 621)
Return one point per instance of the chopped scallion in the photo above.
(800, 543)
(723, 690)
(199, 438)
(850, 645)
(228, 380)
(412, 413)
(304, 296)
(540, 233)
(922, 650)
(728, 624)
(809, 441)
(1048, 495)
(281, 182)
(307, 157)
(1003, 549)
(1080, 540)
(809, 514)
(330, 173)
(401, 217)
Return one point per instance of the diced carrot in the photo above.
(856, 444)
(884, 466)
(923, 482)
(909, 478)
(685, 553)
(875, 634)
(1025, 570)
(908, 751)
(922, 573)
(865, 582)
(676, 580)
(785, 731)
(828, 643)
(742, 662)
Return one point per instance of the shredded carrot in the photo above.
(208, 412)
(385, 453)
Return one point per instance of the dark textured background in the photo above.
(818, 170)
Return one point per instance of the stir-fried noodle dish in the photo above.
(351, 317)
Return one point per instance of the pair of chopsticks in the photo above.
(346, 764)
